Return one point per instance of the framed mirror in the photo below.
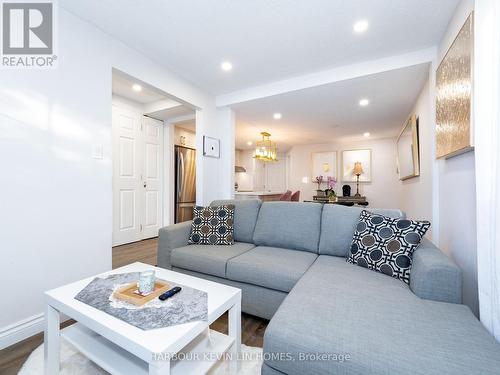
(408, 158)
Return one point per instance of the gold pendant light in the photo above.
(266, 150)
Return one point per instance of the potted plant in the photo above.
(319, 181)
(330, 193)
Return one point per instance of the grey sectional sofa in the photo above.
(329, 316)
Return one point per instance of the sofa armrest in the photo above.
(172, 237)
(434, 275)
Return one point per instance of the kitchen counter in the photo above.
(262, 195)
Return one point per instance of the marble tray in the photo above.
(188, 305)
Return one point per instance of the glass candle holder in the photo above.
(146, 282)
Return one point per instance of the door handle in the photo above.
(145, 184)
(181, 182)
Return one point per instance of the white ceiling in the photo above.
(155, 103)
(265, 40)
(122, 86)
(331, 112)
(172, 113)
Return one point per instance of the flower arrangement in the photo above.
(330, 193)
(319, 180)
(331, 182)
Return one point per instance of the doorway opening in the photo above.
(144, 122)
(185, 170)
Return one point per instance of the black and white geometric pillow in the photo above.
(385, 244)
(213, 225)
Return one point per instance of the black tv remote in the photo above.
(170, 293)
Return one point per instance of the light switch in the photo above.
(97, 151)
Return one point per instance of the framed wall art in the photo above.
(356, 162)
(454, 95)
(407, 149)
(324, 164)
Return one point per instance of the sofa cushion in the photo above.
(212, 225)
(245, 216)
(289, 225)
(337, 227)
(207, 259)
(270, 267)
(386, 245)
(379, 322)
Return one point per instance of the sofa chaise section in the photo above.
(342, 309)
(434, 276)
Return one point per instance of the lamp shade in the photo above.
(358, 168)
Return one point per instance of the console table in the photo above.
(345, 201)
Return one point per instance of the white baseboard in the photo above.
(21, 330)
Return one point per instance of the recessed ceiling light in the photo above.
(277, 116)
(366, 134)
(226, 66)
(249, 143)
(360, 26)
(364, 102)
(136, 87)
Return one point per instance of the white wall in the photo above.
(457, 203)
(225, 131)
(449, 183)
(56, 199)
(189, 136)
(215, 176)
(382, 192)
(415, 194)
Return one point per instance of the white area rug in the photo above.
(75, 363)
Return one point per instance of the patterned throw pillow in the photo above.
(213, 225)
(385, 244)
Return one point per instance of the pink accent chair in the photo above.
(286, 196)
(295, 196)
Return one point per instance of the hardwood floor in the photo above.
(142, 251)
(13, 357)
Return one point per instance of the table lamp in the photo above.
(357, 171)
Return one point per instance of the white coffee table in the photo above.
(121, 348)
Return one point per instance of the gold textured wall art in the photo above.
(454, 96)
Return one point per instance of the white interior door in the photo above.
(152, 177)
(137, 176)
(126, 176)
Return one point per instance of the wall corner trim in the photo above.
(21, 330)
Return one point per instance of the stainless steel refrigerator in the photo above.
(185, 183)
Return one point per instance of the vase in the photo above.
(320, 193)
